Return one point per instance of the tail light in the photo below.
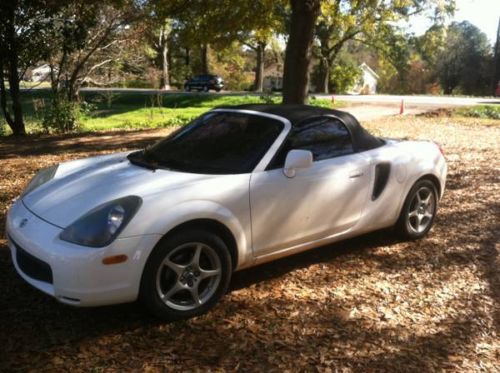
(212, 81)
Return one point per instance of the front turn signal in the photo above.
(115, 259)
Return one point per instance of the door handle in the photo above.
(355, 174)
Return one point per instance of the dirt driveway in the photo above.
(368, 304)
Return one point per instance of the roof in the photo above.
(45, 66)
(368, 69)
(362, 139)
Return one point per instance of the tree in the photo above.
(9, 61)
(258, 45)
(344, 75)
(23, 34)
(230, 62)
(496, 61)
(365, 21)
(339, 23)
(201, 23)
(82, 39)
(259, 21)
(464, 61)
(341, 20)
(298, 50)
(157, 32)
(165, 18)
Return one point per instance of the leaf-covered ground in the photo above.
(367, 304)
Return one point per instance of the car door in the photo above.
(195, 82)
(323, 200)
(203, 81)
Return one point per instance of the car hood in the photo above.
(82, 185)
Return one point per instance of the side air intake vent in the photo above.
(382, 172)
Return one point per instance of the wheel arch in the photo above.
(428, 176)
(232, 225)
(434, 179)
(401, 225)
(213, 226)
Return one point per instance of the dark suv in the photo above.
(204, 83)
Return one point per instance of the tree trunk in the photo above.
(165, 78)
(258, 84)
(3, 96)
(187, 57)
(298, 50)
(204, 59)
(73, 90)
(448, 87)
(72, 85)
(324, 73)
(496, 62)
(9, 60)
(15, 95)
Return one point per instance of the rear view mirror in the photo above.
(295, 160)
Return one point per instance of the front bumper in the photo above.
(78, 276)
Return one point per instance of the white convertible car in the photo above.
(237, 187)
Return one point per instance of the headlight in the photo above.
(40, 178)
(100, 226)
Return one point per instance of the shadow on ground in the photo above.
(12, 147)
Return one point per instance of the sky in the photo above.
(483, 14)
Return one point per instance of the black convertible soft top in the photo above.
(297, 114)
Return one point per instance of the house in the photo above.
(40, 73)
(367, 84)
(273, 77)
(273, 83)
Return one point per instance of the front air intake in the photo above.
(31, 266)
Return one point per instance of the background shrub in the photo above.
(61, 115)
(481, 111)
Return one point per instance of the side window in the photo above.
(325, 137)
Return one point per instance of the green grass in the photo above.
(480, 111)
(141, 118)
(106, 111)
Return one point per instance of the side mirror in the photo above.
(297, 159)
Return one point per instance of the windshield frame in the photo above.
(261, 164)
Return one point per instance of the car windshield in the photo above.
(215, 143)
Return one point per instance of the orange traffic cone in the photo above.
(402, 107)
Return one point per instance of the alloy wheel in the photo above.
(188, 276)
(422, 209)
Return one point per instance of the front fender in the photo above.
(194, 210)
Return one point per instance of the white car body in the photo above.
(268, 214)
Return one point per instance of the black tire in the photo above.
(156, 274)
(218, 89)
(418, 225)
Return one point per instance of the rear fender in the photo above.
(432, 166)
